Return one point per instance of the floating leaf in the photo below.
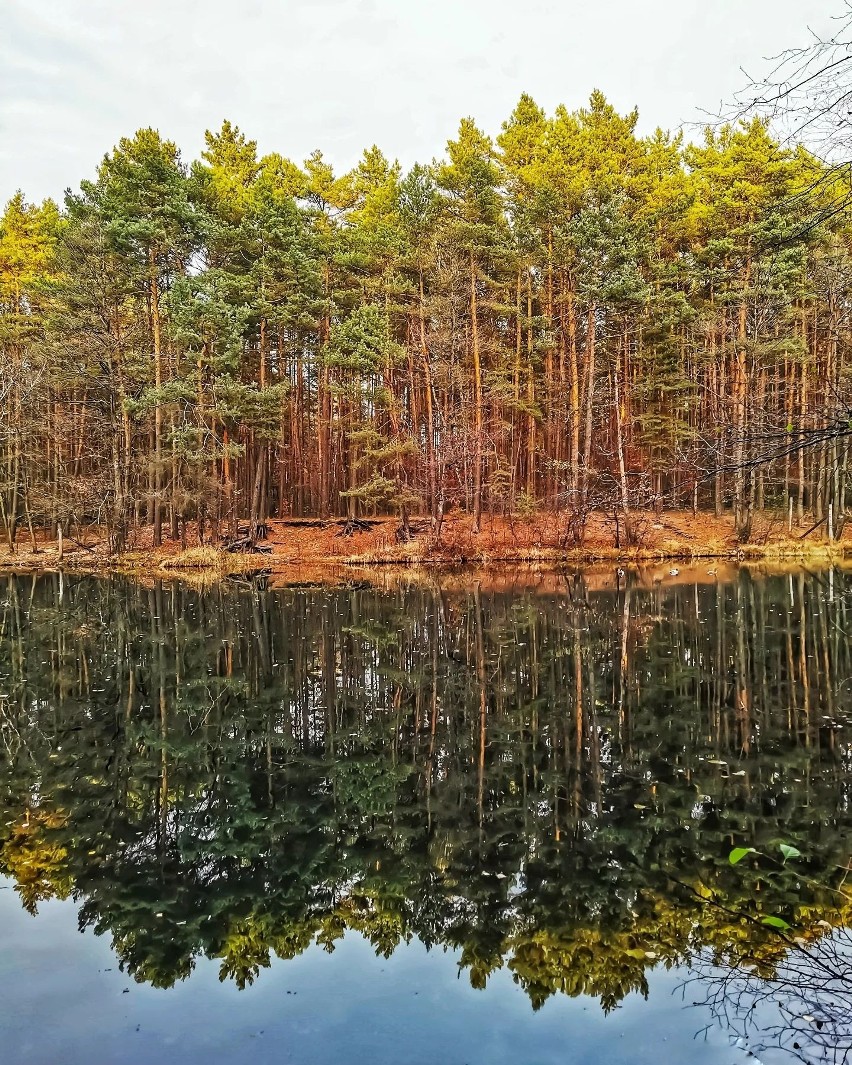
(789, 852)
(775, 922)
(738, 853)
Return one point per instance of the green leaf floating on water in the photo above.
(738, 853)
(775, 922)
(788, 851)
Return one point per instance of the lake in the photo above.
(593, 818)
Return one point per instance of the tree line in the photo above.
(569, 316)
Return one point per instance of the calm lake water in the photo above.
(471, 824)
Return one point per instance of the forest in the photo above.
(569, 317)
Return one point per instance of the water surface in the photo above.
(476, 822)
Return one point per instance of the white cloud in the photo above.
(75, 75)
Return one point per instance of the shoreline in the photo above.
(315, 551)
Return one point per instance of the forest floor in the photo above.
(307, 550)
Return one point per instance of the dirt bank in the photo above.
(310, 550)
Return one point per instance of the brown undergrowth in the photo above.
(313, 551)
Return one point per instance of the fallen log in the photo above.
(327, 523)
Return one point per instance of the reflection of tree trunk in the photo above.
(156, 609)
(578, 717)
(479, 647)
(803, 660)
(825, 675)
(433, 713)
(261, 632)
(792, 702)
(742, 675)
(594, 740)
(624, 662)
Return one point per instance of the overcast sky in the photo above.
(75, 75)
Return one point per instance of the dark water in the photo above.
(452, 824)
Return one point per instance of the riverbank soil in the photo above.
(309, 544)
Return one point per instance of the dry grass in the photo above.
(304, 550)
(195, 558)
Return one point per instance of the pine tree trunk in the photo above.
(591, 330)
(477, 400)
(431, 427)
(158, 409)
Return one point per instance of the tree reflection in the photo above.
(548, 780)
(802, 1007)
